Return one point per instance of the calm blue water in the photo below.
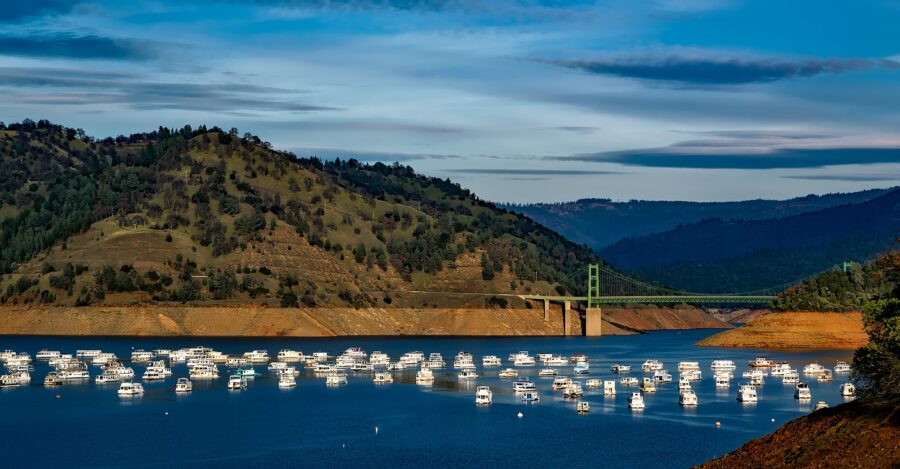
(315, 426)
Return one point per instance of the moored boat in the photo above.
(687, 398)
(484, 395)
(184, 385)
(130, 389)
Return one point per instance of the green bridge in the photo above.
(658, 299)
(608, 287)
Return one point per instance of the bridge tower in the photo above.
(592, 313)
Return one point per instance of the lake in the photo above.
(312, 425)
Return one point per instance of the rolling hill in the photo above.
(206, 215)
(602, 222)
(745, 255)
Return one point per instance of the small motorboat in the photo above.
(636, 401)
(802, 392)
(184, 385)
(237, 382)
(483, 396)
(609, 388)
(286, 381)
(583, 407)
(131, 389)
(383, 378)
(573, 390)
(848, 390)
(687, 398)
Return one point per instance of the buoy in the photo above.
(58, 396)
(520, 415)
(343, 445)
(718, 424)
(376, 430)
(167, 413)
(773, 420)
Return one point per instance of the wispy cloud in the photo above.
(674, 157)
(532, 172)
(579, 129)
(847, 177)
(73, 46)
(709, 68)
(57, 86)
(368, 155)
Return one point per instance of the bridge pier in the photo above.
(546, 310)
(569, 318)
(593, 322)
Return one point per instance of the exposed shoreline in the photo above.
(256, 321)
(795, 330)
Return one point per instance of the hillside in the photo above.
(602, 222)
(208, 216)
(800, 330)
(856, 434)
(745, 255)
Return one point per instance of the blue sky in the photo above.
(519, 100)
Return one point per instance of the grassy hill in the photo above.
(212, 216)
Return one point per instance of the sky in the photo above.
(518, 100)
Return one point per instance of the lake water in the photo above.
(312, 425)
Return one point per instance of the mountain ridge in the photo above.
(179, 215)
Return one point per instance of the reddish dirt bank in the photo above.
(265, 322)
(256, 321)
(849, 435)
(795, 330)
(643, 318)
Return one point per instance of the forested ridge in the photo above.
(207, 214)
(848, 288)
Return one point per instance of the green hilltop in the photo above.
(207, 215)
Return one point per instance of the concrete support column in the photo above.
(592, 322)
(569, 318)
(546, 310)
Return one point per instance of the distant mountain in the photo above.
(742, 255)
(601, 222)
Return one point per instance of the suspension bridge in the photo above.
(607, 287)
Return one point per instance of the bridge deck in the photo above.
(736, 299)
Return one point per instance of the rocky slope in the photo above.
(795, 330)
(850, 435)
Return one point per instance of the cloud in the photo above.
(706, 68)
(578, 129)
(530, 172)
(68, 86)
(673, 157)
(369, 155)
(761, 134)
(848, 177)
(74, 46)
(17, 10)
